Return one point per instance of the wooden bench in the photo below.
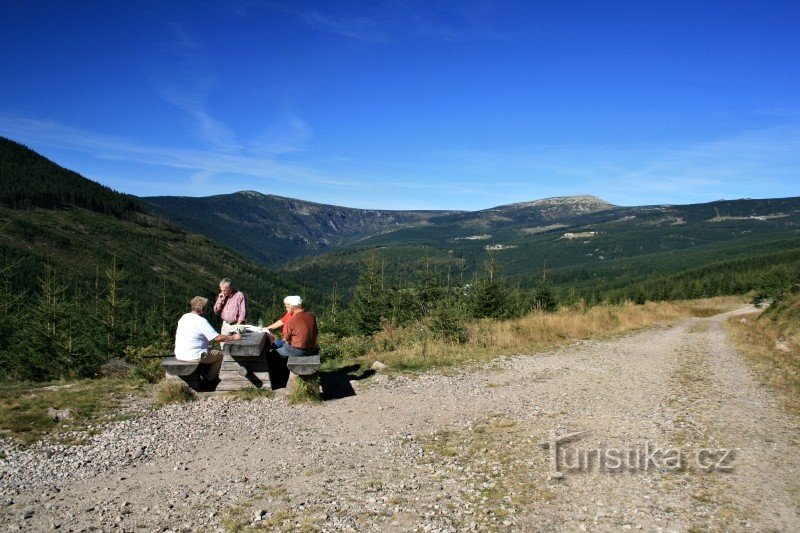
(187, 371)
(306, 365)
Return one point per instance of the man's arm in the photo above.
(289, 333)
(219, 303)
(242, 311)
(277, 324)
(226, 338)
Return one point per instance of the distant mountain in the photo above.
(536, 211)
(585, 244)
(272, 229)
(51, 216)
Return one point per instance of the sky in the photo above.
(411, 104)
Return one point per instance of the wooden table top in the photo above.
(251, 345)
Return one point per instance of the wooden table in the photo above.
(246, 362)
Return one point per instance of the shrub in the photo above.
(116, 368)
(144, 367)
(344, 348)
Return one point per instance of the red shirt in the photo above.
(285, 319)
(302, 331)
(232, 309)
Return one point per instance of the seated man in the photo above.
(301, 332)
(194, 335)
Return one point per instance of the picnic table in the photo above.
(246, 363)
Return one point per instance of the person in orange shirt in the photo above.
(301, 331)
(283, 322)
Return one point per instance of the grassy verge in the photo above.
(407, 350)
(771, 344)
(24, 406)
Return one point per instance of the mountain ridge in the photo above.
(258, 224)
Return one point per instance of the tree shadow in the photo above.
(336, 383)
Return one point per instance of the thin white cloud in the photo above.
(354, 27)
(184, 79)
(207, 163)
(288, 135)
(385, 22)
(759, 163)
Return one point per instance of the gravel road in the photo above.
(666, 429)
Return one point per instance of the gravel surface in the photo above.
(699, 445)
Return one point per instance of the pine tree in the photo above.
(544, 298)
(369, 303)
(113, 310)
(488, 295)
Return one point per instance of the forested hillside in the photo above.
(29, 180)
(83, 280)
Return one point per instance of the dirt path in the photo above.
(674, 434)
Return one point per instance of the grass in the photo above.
(304, 390)
(771, 344)
(174, 391)
(406, 351)
(24, 406)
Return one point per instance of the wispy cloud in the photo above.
(758, 163)
(354, 27)
(184, 78)
(201, 164)
(288, 135)
(394, 21)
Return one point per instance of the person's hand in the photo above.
(236, 337)
(221, 296)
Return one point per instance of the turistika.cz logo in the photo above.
(643, 458)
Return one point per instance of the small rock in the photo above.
(377, 366)
(59, 414)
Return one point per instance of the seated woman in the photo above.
(301, 333)
(283, 322)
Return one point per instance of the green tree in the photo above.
(544, 297)
(488, 297)
(113, 308)
(369, 303)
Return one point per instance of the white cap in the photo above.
(293, 300)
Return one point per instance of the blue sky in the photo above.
(411, 104)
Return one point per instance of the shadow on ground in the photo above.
(336, 383)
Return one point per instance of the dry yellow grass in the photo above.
(771, 344)
(405, 350)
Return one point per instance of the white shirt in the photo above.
(192, 337)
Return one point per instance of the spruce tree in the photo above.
(544, 298)
(369, 303)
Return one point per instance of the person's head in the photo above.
(198, 304)
(226, 287)
(291, 303)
